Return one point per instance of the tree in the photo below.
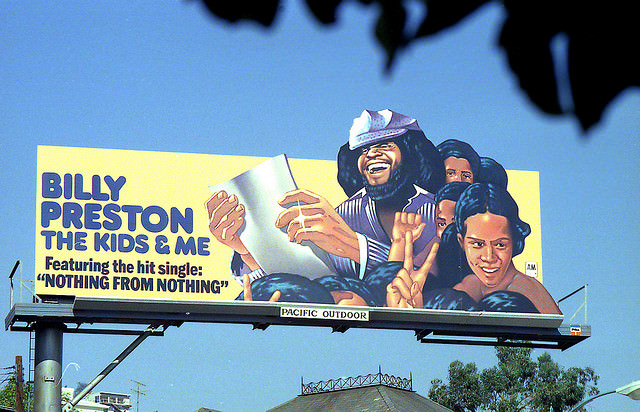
(600, 55)
(516, 383)
(8, 394)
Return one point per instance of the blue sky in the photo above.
(166, 76)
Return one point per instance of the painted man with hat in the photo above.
(387, 166)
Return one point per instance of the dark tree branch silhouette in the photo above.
(602, 39)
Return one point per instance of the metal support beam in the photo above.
(147, 332)
(48, 373)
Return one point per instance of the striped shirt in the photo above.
(359, 212)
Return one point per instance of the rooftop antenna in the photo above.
(138, 392)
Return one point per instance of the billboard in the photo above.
(396, 221)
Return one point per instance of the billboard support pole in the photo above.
(147, 332)
(48, 371)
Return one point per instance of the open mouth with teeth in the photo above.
(377, 167)
(490, 276)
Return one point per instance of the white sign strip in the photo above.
(324, 313)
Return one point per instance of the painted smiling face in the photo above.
(457, 169)
(488, 246)
(377, 162)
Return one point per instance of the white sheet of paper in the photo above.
(259, 190)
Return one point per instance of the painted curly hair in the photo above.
(486, 197)
(419, 156)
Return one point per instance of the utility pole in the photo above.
(138, 392)
(19, 385)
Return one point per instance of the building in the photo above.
(100, 401)
(373, 393)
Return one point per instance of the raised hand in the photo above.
(404, 222)
(405, 290)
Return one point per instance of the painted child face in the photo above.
(458, 170)
(488, 247)
(445, 211)
(377, 162)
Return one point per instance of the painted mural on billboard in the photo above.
(406, 224)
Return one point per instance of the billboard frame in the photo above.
(79, 314)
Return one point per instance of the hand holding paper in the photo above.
(245, 221)
(226, 217)
(312, 218)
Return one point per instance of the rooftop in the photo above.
(374, 392)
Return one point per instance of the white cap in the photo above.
(372, 127)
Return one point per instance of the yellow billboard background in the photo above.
(162, 181)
